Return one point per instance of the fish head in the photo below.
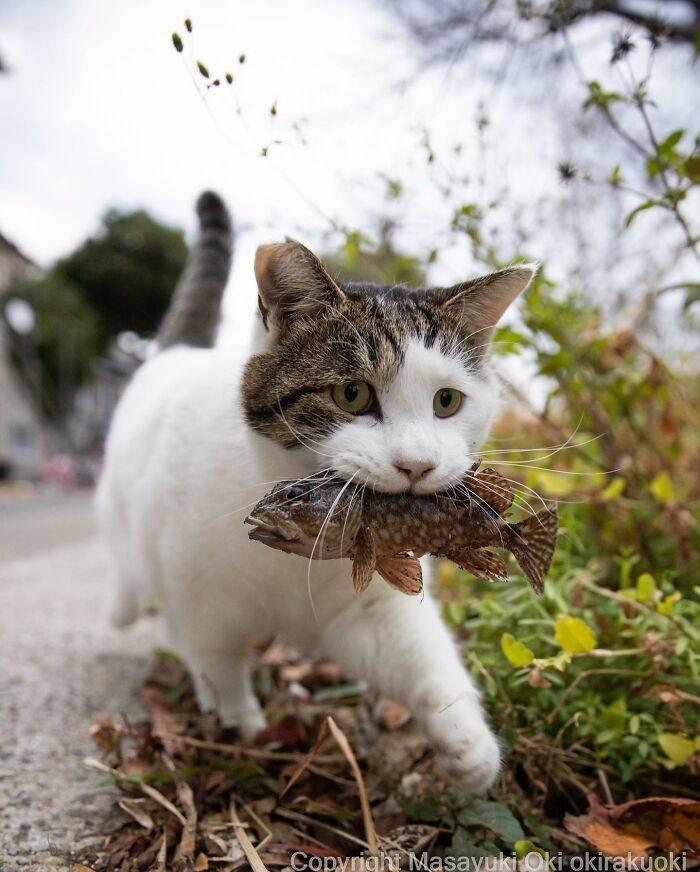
(316, 520)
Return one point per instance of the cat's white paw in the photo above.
(249, 721)
(467, 752)
(472, 764)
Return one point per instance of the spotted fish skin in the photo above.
(387, 533)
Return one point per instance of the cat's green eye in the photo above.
(446, 402)
(353, 397)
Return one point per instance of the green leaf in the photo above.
(202, 69)
(614, 489)
(456, 612)
(574, 635)
(614, 716)
(662, 488)
(646, 587)
(463, 845)
(671, 141)
(515, 652)
(691, 167)
(653, 167)
(692, 295)
(493, 816)
(648, 204)
(615, 177)
(177, 42)
(665, 607)
(677, 748)
(598, 97)
(523, 847)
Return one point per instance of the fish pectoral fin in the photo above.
(483, 564)
(402, 572)
(492, 488)
(363, 560)
(533, 544)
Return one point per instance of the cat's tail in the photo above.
(195, 308)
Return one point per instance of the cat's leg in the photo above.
(222, 683)
(401, 647)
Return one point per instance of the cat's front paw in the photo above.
(472, 764)
(248, 721)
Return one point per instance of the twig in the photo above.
(284, 756)
(143, 787)
(247, 846)
(341, 739)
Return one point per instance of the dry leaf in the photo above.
(134, 807)
(108, 737)
(391, 715)
(667, 823)
(185, 850)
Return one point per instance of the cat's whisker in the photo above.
(347, 516)
(528, 465)
(563, 446)
(326, 520)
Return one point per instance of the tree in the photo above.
(127, 272)
(446, 27)
(120, 279)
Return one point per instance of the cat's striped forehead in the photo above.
(363, 338)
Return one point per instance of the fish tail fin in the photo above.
(194, 311)
(533, 544)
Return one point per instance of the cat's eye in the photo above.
(446, 402)
(354, 397)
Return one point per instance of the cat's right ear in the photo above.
(292, 283)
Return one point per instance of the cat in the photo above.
(388, 387)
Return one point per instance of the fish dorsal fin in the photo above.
(483, 564)
(402, 572)
(534, 543)
(492, 488)
(363, 560)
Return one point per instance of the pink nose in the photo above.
(414, 469)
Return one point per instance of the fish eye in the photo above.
(447, 401)
(353, 397)
(296, 492)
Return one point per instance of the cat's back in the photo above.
(180, 411)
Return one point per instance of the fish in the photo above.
(324, 519)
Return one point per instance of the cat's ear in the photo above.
(292, 283)
(483, 301)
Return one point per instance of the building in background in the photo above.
(23, 436)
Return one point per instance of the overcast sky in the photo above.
(99, 111)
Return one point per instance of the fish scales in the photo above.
(387, 533)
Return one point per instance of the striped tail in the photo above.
(195, 309)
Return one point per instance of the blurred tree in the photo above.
(120, 279)
(55, 358)
(446, 27)
(363, 260)
(127, 272)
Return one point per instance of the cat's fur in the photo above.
(202, 432)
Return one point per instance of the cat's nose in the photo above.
(414, 469)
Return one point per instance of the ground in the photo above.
(62, 667)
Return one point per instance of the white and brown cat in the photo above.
(386, 386)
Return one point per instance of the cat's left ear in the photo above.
(483, 301)
(292, 283)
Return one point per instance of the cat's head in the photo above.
(386, 385)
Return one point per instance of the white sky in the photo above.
(100, 111)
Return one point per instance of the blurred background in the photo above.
(418, 141)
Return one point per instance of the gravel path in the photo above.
(61, 667)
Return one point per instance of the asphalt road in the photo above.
(61, 667)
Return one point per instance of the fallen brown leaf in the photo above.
(391, 715)
(666, 823)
